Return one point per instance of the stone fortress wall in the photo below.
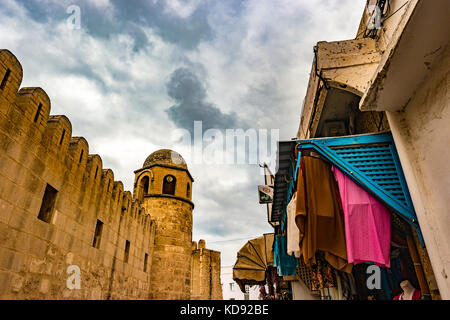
(59, 208)
(206, 284)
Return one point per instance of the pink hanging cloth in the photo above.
(367, 223)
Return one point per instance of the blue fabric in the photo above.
(286, 264)
(297, 166)
(385, 284)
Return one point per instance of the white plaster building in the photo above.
(231, 290)
(398, 75)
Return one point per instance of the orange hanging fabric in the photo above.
(318, 214)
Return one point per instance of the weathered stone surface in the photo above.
(205, 280)
(36, 150)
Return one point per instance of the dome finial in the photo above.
(165, 157)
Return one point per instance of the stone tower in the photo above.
(164, 185)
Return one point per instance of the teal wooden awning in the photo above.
(371, 160)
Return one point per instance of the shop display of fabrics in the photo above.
(338, 229)
(286, 264)
(367, 223)
(318, 214)
(322, 276)
(336, 216)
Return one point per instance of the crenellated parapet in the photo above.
(41, 160)
(11, 74)
(49, 137)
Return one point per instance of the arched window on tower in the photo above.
(188, 191)
(144, 184)
(169, 184)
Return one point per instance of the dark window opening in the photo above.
(62, 137)
(145, 182)
(48, 204)
(145, 262)
(5, 78)
(97, 234)
(38, 111)
(127, 251)
(81, 156)
(188, 191)
(169, 185)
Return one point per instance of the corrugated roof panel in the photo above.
(284, 174)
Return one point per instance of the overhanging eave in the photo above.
(405, 65)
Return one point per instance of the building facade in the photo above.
(377, 107)
(393, 77)
(68, 230)
(231, 290)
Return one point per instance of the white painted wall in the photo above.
(422, 137)
(301, 292)
(230, 288)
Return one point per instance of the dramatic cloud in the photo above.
(139, 69)
(180, 22)
(192, 105)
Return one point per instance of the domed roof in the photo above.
(165, 157)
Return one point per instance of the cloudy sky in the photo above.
(137, 71)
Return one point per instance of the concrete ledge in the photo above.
(419, 40)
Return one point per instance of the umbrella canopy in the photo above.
(253, 259)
